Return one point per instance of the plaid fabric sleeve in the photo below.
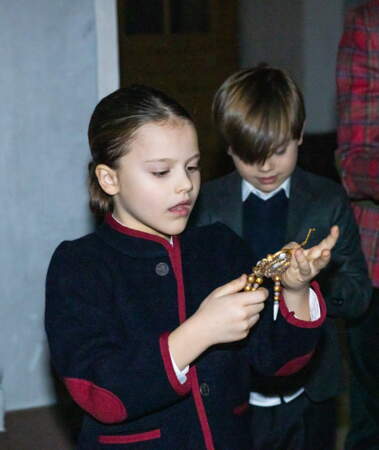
(358, 103)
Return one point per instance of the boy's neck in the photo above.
(247, 188)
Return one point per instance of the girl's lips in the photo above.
(181, 209)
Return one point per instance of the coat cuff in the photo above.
(180, 389)
(289, 316)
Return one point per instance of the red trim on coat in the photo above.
(130, 438)
(174, 253)
(176, 262)
(102, 404)
(294, 365)
(207, 434)
(113, 223)
(180, 389)
(290, 315)
(241, 409)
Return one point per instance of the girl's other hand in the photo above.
(306, 264)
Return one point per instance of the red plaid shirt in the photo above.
(358, 128)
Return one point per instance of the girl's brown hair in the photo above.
(113, 126)
(257, 111)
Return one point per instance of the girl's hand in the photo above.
(306, 264)
(228, 314)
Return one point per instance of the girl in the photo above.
(145, 340)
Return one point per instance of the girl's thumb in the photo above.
(232, 287)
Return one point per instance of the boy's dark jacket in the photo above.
(113, 297)
(314, 202)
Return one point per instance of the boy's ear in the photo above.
(107, 179)
(230, 151)
(300, 141)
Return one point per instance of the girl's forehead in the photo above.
(165, 139)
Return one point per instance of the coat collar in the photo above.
(133, 242)
(300, 203)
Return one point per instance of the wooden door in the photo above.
(185, 48)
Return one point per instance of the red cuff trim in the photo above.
(294, 365)
(180, 389)
(102, 404)
(290, 315)
(240, 409)
(130, 438)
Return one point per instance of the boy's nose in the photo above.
(266, 166)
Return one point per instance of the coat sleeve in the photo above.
(345, 282)
(104, 366)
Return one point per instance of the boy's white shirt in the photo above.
(256, 398)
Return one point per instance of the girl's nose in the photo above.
(185, 183)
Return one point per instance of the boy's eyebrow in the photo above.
(197, 155)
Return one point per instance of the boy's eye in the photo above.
(160, 173)
(193, 168)
(280, 151)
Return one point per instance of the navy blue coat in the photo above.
(112, 299)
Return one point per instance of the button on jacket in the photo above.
(114, 296)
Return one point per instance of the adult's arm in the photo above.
(358, 105)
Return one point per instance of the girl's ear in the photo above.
(230, 152)
(107, 179)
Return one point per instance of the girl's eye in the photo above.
(160, 173)
(193, 168)
(280, 151)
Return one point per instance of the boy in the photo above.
(270, 202)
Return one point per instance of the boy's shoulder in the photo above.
(316, 184)
(228, 182)
(209, 234)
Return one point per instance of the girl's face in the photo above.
(157, 182)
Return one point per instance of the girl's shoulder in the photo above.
(84, 250)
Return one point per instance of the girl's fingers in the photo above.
(232, 287)
(255, 297)
(330, 241)
(253, 320)
(323, 260)
(326, 244)
(302, 263)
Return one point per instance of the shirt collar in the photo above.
(248, 188)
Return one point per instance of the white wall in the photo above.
(271, 31)
(48, 87)
(57, 59)
(302, 37)
(323, 20)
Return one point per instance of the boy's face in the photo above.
(273, 172)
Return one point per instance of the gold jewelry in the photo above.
(273, 266)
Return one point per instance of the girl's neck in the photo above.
(116, 219)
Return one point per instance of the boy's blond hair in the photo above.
(257, 111)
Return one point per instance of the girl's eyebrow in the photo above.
(197, 155)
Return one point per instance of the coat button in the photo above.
(337, 301)
(162, 269)
(204, 389)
